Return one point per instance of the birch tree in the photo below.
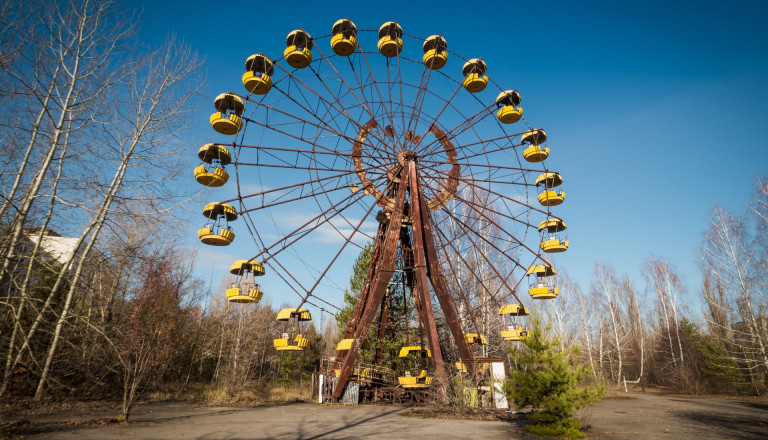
(732, 259)
(667, 286)
(606, 287)
(109, 117)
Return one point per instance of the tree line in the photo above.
(97, 296)
(712, 340)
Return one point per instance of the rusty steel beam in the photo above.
(378, 287)
(433, 270)
(422, 286)
(382, 327)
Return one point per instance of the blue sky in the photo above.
(655, 110)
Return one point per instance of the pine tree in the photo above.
(546, 378)
(356, 284)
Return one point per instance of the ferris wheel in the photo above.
(376, 136)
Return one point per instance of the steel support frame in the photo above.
(426, 272)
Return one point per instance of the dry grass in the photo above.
(290, 393)
(95, 421)
(256, 394)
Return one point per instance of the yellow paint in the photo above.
(300, 314)
(513, 309)
(257, 83)
(551, 198)
(224, 124)
(343, 46)
(390, 47)
(535, 153)
(509, 114)
(297, 57)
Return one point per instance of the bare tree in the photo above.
(130, 105)
(154, 107)
(152, 324)
(733, 262)
(667, 287)
(636, 329)
(607, 287)
(566, 324)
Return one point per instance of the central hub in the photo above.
(406, 155)
(444, 182)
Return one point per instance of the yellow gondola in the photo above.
(411, 382)
(211, 172)
(245, 289)
(479, 368)
(346, 344)
(550, 197)
(474, 338)
(218, 233)
(226, 118)
(390, 39)
(214, 177)
(542, 287)
(257, 78)
(510, 110)
(513, 310)
(300, 315)
(296, 317)
(535, 153)
(284, 343)
(514, 333)
(420, 381)
(299, 51)
(405, 351)
(550, 241)
(236, 294)
(344, 40)
(475, 79)
(241, 267)
(435, 52)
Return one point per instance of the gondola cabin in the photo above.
(298, 51)
(552, 238)
(435, 52)
(236, 294)
(257, 78)
(245, 290)
(226, 118)
(344, 40)
(514, 334)
(541, 284)
(474, 338)
(421, 380)
(390, 39)
(475, 79)
(212, 172)
(217, 231)
(508, 103)
(292, 338)
(549, 196)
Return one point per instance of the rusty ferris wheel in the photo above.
(379, 136)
